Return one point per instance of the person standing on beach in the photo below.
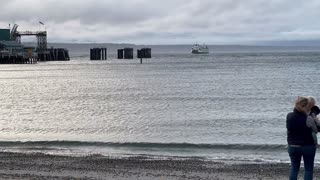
(312, 119)
(300, 140)
(314, 123)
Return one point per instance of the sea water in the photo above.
(228, 105)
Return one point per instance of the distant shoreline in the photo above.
(26, 166)
(188, 45)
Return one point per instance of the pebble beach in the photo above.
(42, 166)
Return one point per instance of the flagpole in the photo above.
(40, 23)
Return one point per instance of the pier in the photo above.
(41, 49)
(12, 51)
(17, 60)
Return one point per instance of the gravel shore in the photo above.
(41, 166)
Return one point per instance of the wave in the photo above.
(263, 147)
(79, 56)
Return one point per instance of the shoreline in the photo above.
(43, 166)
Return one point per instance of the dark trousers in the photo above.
(308, 153)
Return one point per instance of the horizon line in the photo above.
(244, 45)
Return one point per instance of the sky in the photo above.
(220, 22)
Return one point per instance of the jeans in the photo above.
(308, 153)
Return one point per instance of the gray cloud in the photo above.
(167, 21)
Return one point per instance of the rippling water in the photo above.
(174, 104)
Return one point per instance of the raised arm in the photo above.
(312, 124)
(316, 120)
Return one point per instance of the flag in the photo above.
(41, 22)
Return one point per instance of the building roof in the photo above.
(10, 44)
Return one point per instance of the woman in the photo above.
(300, 141)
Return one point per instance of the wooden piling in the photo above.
(128, 53)
(105, 54)
(120, 53)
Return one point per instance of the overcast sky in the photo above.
(167, 21)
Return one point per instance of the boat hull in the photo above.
(199, 52)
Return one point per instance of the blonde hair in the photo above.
(301, 104)
(311, 101)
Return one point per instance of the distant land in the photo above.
(298, 43)
(291, 43)
(81, 49)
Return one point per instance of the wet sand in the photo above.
(41, 166)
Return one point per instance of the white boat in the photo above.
(199, 49)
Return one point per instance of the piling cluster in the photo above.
(43, 56)
(143, 53)
(54, 54)
(126, 53)
(59, 54)
(98, 54)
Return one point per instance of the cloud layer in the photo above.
(167, 21)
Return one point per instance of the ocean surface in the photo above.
(228, 105)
